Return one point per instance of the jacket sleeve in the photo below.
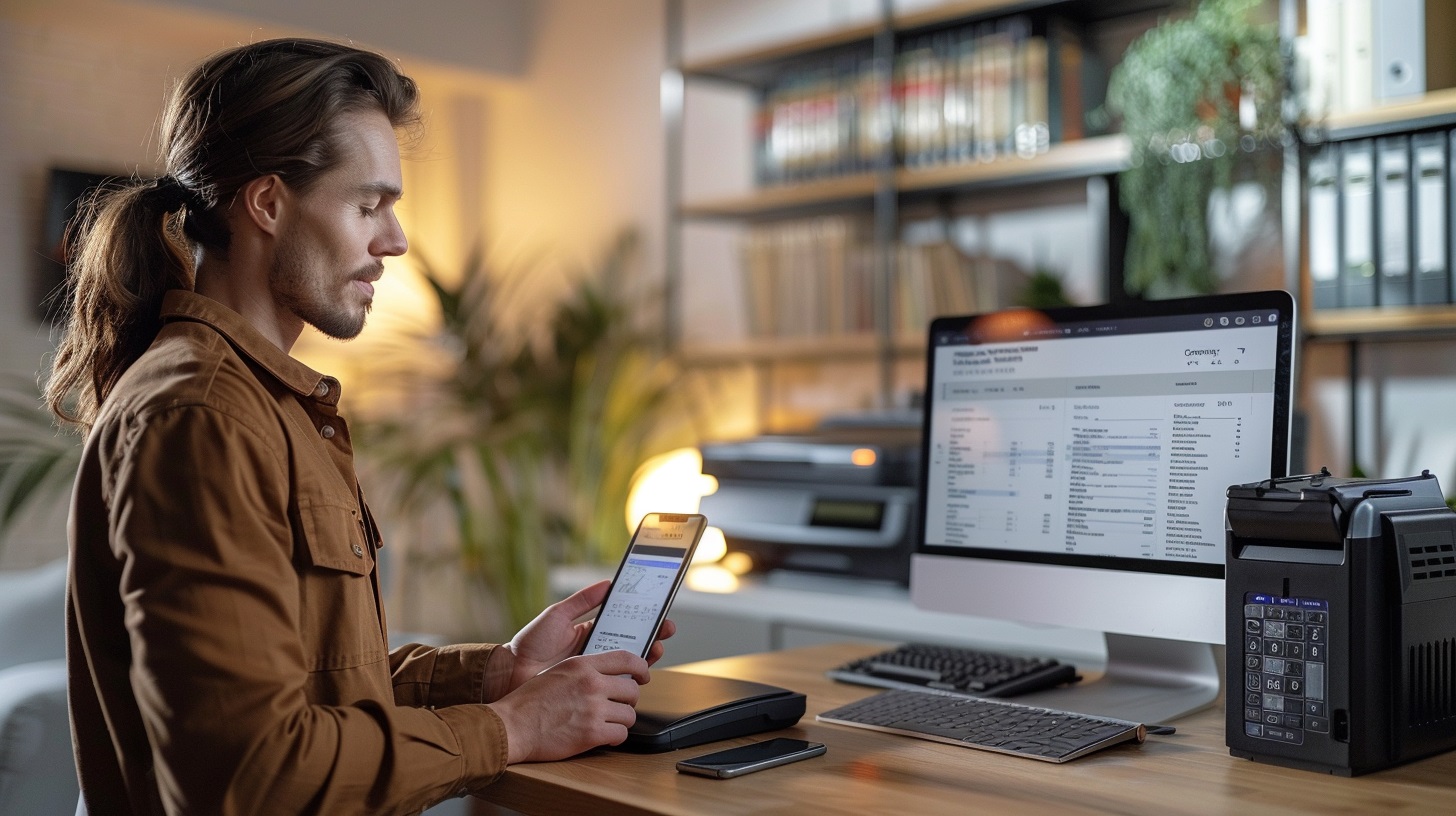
(212, 609)
(448, 675)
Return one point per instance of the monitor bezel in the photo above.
(1272, 300)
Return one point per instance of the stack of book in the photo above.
(1379, 216)
(815, 277)
(974, 93)
(810, 277)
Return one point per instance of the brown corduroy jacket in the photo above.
(226, 640)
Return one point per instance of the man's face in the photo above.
(332, 248)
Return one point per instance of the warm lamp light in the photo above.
(670, 483)
(711, 578)
(711, 546)
(738, 563)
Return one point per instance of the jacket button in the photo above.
(358, 550)
(327, 432)
(322, 390)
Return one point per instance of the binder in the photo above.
(1357, 79)
(1429, 216)
(1324, 228)
(1393, 249)
(1357, 224)
(1399, 50)
(1324, 90)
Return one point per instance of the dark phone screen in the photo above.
(746, 755)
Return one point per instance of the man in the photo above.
(226, 640)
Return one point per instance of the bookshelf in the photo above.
(799, 350)
(1434, 109)
(1407, 292)
(1373, 182)
(881, 183)
(1069, 161)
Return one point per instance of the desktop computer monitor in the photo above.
(1074, 473)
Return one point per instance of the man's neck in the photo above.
(246, 292)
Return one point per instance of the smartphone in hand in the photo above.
(646, 582)
(746, 759)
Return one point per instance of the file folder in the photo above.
(1324, 228)
(1393, 250)
(1432, 269)
(1357, 224)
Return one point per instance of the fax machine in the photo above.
(838, 500)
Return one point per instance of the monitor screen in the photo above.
(1076, 461)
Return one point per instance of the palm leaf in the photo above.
(37, 462)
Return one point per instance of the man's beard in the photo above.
(307, 294)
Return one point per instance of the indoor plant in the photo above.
(37, 462)
(527, 432)
(1196, 96)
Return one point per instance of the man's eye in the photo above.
(368, 212)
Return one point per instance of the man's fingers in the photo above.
(619, 662)
(584, 600)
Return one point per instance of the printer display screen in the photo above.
(853, 515)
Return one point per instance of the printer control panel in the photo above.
(1285, 657)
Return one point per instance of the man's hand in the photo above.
(580, 703)
(554, 636)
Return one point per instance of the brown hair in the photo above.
(272, 107)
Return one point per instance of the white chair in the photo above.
(37, 771)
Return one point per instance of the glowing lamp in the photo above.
(711, 547)
(670, 483)
(711, 578)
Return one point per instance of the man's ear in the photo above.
(263, 202)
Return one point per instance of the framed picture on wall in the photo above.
(65, 192)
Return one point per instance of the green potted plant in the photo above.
(1197, 97)
(527, 437)
(37, 462)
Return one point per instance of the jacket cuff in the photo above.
(483, 744)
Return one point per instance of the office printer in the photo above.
(838, 500)
(1341, 622)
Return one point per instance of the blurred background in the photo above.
(664, 258)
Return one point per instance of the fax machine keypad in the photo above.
(1284, 667)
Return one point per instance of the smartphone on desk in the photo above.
(746, 759)
(646, 582)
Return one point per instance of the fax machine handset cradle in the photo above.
(1341, 602)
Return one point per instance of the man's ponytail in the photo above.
(131, 251)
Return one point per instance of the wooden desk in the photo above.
(868, 772)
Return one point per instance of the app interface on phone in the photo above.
(628, 619)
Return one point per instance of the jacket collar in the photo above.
(180, 304)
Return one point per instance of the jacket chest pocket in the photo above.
(339, 619)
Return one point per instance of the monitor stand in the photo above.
(1148, 680)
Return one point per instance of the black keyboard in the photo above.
(950, 668)
(990, 725)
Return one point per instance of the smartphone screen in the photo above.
(646, 581)
(749, 758)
